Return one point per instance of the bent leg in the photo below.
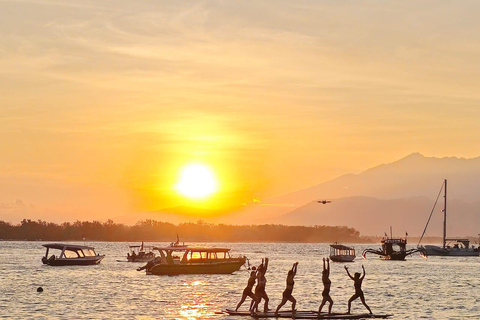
(355, 296)
(280, 305)
(331, 304)
(255, 303)
(294, 303)
(265, 297)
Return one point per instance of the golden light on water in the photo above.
(197, 181)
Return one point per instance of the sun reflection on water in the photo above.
(192, 312)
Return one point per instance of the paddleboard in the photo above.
(307, 315)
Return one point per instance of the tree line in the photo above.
(152, 230)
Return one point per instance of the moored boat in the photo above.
(451, 247)
(393, 249)
(184, 259)
(140, 253)
(71, 255)
(341, 253)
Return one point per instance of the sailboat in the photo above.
(454, 247)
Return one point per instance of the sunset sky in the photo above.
(102, 103)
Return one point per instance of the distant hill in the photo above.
(375, 216)
(412, 176)
(400, 194)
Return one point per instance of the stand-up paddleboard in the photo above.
(307, 315)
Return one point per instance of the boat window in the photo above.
(80, 254)
(89, 252)
(221, 255)
(211, 255)
(198, 255)
(70, 254)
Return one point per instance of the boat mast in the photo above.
(445, 215)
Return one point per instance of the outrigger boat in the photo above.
(393, 249)
(71, 255)
(451, 247)
(140, 253)
(341, 253)
(184, 259)
(306, 315)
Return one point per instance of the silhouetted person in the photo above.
(260, 288)
(150, 264)
(358, 289)
(326, 287)
(247, 292)
(287, 294)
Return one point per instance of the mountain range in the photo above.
(400, 194)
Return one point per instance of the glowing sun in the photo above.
(196, 181)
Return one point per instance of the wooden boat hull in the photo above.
(224, 267)
(87, 261)
(306, 315)
(398, 256)
(342, 258)
(140, 259)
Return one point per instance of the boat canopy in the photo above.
(340, 247)
(398, 241)
(60, 246)
(465, 242)
(191, 248)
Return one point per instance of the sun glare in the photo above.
(196, 181)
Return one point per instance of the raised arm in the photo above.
(363, 276)
(294, 268)
(349, 273)
(266, 266)
(328, 267)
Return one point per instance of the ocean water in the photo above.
(436, 288)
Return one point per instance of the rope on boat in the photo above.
(428, 221)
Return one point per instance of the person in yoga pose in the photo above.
(260, 288)
(247, 292)
(357, 282)
(326, 287)
(287, 294)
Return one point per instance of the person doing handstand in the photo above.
(260, 288)
(287, 294)
(247, 292)
(326, 287)
(358, 289)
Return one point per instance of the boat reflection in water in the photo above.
(183, 259)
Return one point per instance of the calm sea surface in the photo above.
(437, 288)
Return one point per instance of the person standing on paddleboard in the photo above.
(287, 294)
(247, 292)
(260, 288)
(326, 287)
(358, 289)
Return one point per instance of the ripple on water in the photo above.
(437, 288)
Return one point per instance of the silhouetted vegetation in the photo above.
(152, 230)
